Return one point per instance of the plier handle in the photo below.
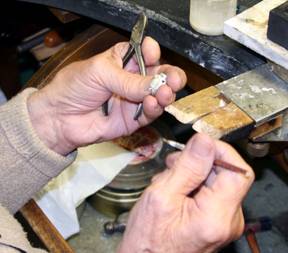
(136, 39)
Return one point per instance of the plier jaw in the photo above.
(139, 29)
(135, 42)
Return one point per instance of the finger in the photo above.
(165, 96)
(171, 159)
(211, 178)
(151, 51)
(127, 109)
(229, 185)
(158, 176)
(107, 71)
(193, 166)
(176, 77)
(118, 106)
(133, 87)
(117, 52)
(151, 54)
(152, 109)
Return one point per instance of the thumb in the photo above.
(193, 166)
(131, 86)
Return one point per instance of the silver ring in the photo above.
(157, 81)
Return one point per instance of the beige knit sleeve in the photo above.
(26, 164)
(12, 235)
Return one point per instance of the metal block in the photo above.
(260, 93)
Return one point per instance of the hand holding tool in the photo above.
(219, 163)
(135, 42)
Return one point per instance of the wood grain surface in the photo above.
(223, 121)
(208, 111)
(45, 230)
(189, 109)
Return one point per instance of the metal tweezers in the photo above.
(135, 42)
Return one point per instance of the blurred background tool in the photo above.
(254, 226)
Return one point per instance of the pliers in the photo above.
(137, 36)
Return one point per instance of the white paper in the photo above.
(95, 167)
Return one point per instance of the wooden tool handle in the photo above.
(44, 229)
(252, 241)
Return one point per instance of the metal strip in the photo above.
(260, 93)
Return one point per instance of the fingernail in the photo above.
(201, 145)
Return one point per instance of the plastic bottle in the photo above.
(208, 16)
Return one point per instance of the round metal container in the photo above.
(124, 191)
(112, 203)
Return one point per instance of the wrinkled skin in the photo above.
(67, 113)
(190, 207)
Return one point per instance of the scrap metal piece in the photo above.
(278, 135)
(260, 93)
(266, 128)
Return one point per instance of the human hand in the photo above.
(67, 113)
(190, 208)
